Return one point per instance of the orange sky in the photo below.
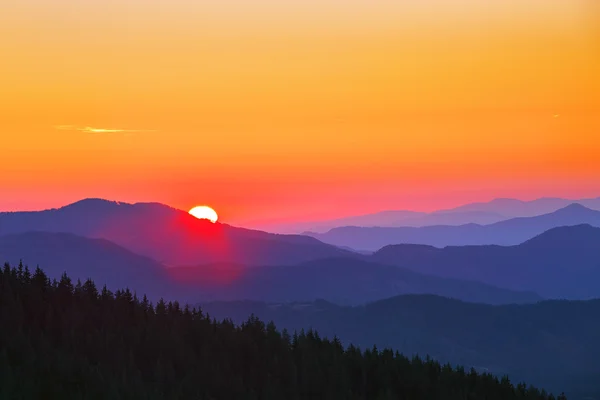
(298, 108)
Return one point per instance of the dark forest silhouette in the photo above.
(60, 340)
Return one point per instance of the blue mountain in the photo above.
(508, 232)
(562, 262)
(169, 235)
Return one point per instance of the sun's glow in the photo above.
(204, 212)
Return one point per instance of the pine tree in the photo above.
(61, 341)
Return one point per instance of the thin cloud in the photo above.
(89, 129)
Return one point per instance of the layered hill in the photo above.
(509, 232)
(562, 262)
(341, 280)
(81, 258)
(344, 280)
(63, 342)
(168, 235)
(552, 343)
(482, 213)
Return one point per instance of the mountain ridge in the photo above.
(544, 264)
(483, 213)
(536, 342)
(351, 281)
(168, 235)
(509, 232)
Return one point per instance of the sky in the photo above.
(298, 109)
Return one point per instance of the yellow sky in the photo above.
(302, 96)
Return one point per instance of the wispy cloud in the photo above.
(89, 129)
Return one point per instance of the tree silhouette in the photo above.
(60, 340)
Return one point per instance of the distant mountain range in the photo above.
(517, 208)
(344, 280)
(82, 258)
(477, 213)
(508, 265)
(168, 235)
(563, 262)
(217, 261)
(551, 343)
(508, 232)
(341, 280)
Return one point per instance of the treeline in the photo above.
(60, 340)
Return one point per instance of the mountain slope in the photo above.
(454, 218)
(341, 280)
(553, 343)
(563, 262)
(169, 235)
(391, 218)
(482, 213)
(65, 342)
(519, 208)
(83, 258)
(509, 232)
(383, 218)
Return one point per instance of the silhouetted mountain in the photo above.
(473, 213)
(83, 258)
(509, 232)
(452, 218)
(383, 218)
(391, 219)
(60, 341)
(563, 262)
(341, 280)
(518, 208)
(552, 343)
(169, 235)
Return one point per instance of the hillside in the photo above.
(343, 280)
(509, 232)
(340, 280)
(551, 343)
(168, 235)
(482, 213)
(519, 208)
(560, 263)
(60, 341)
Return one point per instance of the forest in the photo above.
(71, 340)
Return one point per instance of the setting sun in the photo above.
(204, 212)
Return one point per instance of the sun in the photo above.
(204, 212)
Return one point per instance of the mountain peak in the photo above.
(93, 202)
(574, 208)
(566, 236)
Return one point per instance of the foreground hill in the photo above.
(551, 343)
(168, 235)
(58, 341)
(343, 280)
(560, 263)
(509, 232)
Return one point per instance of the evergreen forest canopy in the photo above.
(65, 340)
